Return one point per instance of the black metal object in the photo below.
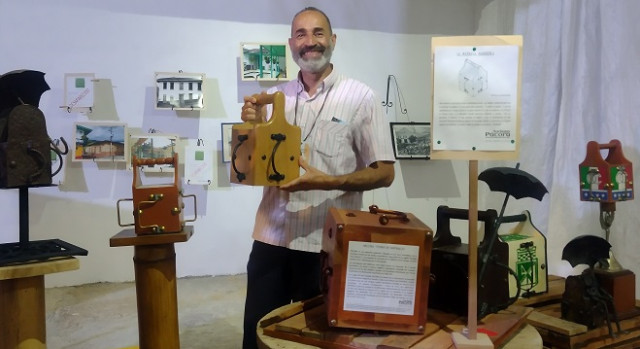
(39, 250)
(449, 285)
(586, 249)
(21, 87)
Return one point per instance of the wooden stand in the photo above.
(22, 303)
(304, 325)
(558, 333)
(154, 261)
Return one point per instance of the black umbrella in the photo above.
(513, 182)
(586, 249)
(21, 87)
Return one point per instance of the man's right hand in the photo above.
(252, 111)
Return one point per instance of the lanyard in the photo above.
(317, 116)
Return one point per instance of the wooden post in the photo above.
(154, 261)
(22, 302)
(472, 311)
(22, 313)
(157, 297)
(472, 339)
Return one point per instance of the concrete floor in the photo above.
(104, 315)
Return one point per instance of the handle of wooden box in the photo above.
(384, 219)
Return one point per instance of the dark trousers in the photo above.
(276, 276)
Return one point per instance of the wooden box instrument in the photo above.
(157, 208)
(266, 153)
(527, 256)
(376, 269)
(606, 180)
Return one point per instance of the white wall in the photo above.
(125, 43)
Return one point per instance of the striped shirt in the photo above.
(343, 126)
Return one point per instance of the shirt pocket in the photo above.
(331, 138)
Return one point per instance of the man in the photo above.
(347, 150)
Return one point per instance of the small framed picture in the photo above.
(411, 140)
(179, 91)
(226, 128)
(153, 146)
(100, 141)
(263, 61)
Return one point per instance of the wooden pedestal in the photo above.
(154, 261)
(304, 325)
(22, 304)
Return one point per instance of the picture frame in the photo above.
(179, 91)
(264, 61)
(225, 129)
(100, 141)
(411, 140)
(152, 146)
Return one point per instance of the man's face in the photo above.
(311, 41)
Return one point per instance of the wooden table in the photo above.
(154, 261)
(558, 333)
(303, 325)
(22, 302)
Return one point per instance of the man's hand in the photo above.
(311, 179)
(252, 111)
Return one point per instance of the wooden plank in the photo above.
(128, 237)
(439, 340)
(395, 341)
(499, 326)
(289, 311)
(302, 320)
(38, 268)
(564, 327)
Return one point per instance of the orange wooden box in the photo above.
(376, 268)
(266, 153)
(157, 208)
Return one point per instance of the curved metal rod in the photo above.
(39, 158)
(278, 137)
(240, 175)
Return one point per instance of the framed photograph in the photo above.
(226, 140)
(179, 91)
(411, 140)
(153, 146)
(263, 61)
(100, 141)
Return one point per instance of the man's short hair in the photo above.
(312, 8)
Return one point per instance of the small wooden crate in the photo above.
(376, 268)
(266, 153)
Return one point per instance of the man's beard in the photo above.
(314, 65)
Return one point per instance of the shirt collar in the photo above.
(325, 85)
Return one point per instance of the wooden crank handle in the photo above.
(158, 161)
(384, 219)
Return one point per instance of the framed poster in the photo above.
(476, 97)
(153, 146)
(226, 128)
(411, 140)
(264, 61)
(179, 91)
(100, 141)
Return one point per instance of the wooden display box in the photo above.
(376, 268)
(266, 153)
